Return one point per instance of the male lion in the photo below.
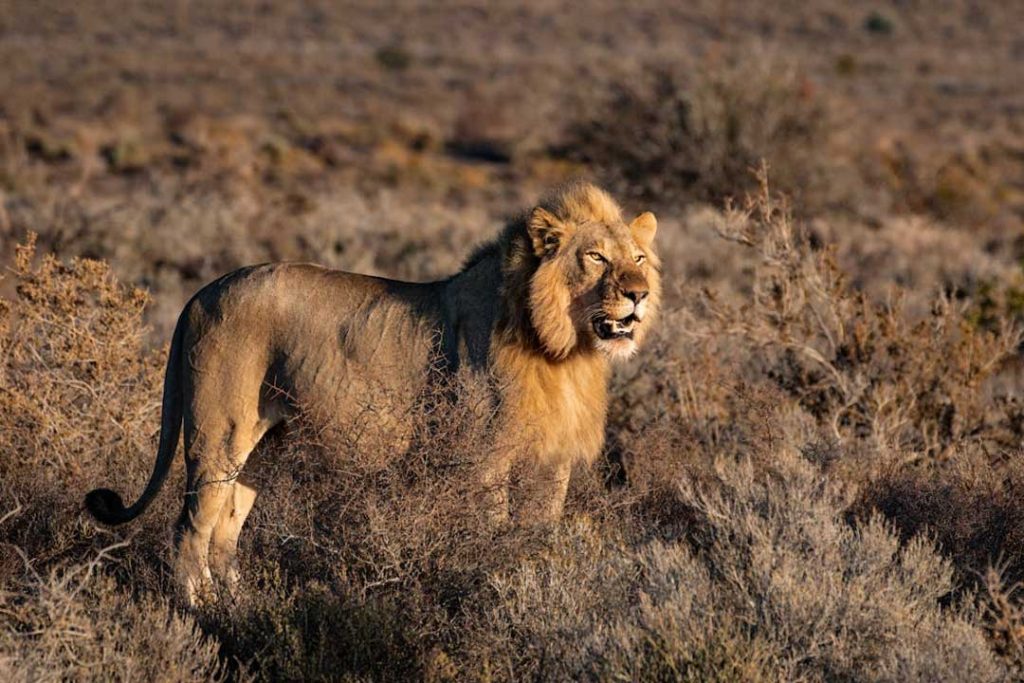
(540, 312)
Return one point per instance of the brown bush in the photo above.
(73, 623)
(84, 329)
(864, 368)
(773, 585)
(79, 397)
(672, 136)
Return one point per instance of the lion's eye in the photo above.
(596, 257)
(640, 259)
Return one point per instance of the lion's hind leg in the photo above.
(206, 495)
(224, 540)
(216, 502)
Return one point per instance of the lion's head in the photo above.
(596, 281)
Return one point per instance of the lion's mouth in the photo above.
(608, 329)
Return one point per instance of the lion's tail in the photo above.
(106, 505)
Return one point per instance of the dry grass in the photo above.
(813, 469)
(73, 623)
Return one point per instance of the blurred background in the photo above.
(181, 139)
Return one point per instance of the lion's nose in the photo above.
(635, 294)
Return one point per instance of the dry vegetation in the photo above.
(813, 470)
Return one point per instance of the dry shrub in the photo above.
(287, 629)
(75, 321)
(864, 368)
(377, 569)
(829, 599)
(963, 184)
(1004, 618)
(78, 396)
(671, 136)
(773, 584)
(79, 406)
(382, 509)
(73, 623)
(900, 408)
(971, 506)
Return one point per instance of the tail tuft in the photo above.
(106, 506)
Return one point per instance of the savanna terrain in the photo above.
(813, 469)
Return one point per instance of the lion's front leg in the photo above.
(543, 492)
(494, 482)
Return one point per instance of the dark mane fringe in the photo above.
(497, 246)
(510, 252)
(511, 249)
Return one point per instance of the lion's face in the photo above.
(610, 283)
(600, 277)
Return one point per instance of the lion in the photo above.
(540, 312)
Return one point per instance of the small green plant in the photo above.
(878, 23)
(394, 57)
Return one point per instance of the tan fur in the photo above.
(541, 311)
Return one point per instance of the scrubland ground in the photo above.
(813, 471)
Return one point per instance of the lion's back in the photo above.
(340, 344)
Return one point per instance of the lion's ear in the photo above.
(547, 232)
(643, 228)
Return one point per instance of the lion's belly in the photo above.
(365, 374)
(368, 409)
